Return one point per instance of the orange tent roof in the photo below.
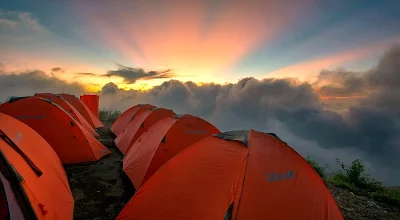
(240, 175)
(139, 124)
(31, 171)
(161, 142)
(70, 109)
(92, 102)
(93, 120)
(71, 142)
(127, 115)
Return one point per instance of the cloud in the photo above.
(296, 111)
(130, 74)
(307, 70)
(369, 128)
(57, 69)
(341, 82)
(15, 25)
(30, 82)
(78, 75)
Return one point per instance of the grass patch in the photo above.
(355, 178)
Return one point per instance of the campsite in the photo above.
(200, 109)
(148, 155)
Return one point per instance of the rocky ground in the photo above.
(101, 190)
(356, 207)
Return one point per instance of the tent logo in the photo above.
(29, 117)
(272, 177)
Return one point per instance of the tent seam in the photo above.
(235, 211)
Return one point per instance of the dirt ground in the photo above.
(100, 189)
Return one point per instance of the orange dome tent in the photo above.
(242, 175)
(92, 102)
(161, 142)
(140, 123)
(71, 142)
(33, 184)
(93, 120)
(70, 109)
(127, 115)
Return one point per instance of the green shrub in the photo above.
(356, 176)
(107, 115)
(319, 169)
(389, 196)
(355, 179)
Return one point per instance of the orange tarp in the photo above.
(43, 179)
(70, 109)
(93, 120)
(139, 124)
(161, 142)
(92, 102)
(246, 175)
(71, 142)
(127, 116)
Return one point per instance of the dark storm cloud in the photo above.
(30, 82)
(130, 74)
(341, 82)
(386, 74)
(369, 129)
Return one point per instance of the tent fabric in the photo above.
(40, 176)
(265, 180)
(93, 120)
(92, 102)
(161, 142)
(139, 124)
(71, 142)
(120, 123)
(70, 109)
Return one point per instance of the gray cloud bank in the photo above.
(368, 129)
(31, 82)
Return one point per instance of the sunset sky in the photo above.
(227, 61)
(97, 42)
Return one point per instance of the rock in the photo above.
(372, 204)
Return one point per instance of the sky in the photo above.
(201, 41)
(322, 75)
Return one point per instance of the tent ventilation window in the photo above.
(10, 175)
(13, 99)
(20, 152)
